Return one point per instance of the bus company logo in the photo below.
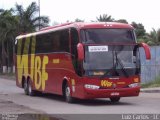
(106, 83)
(31, 65)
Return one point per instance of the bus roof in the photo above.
(78, 25)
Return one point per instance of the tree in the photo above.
(122, 21)
(28, 21)
(154, 36)
(105, 18)
(78, 20)
(139, 29)
(8, 24)
(13, 23)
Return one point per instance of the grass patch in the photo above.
(154, 83)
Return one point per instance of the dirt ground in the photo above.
(8, 107)
(12, 111)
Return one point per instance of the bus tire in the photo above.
(115, 99)
(30, 91)
(68, 96)
(26, 87)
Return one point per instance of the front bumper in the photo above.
(108, 93)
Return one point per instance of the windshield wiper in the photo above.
(121, 64)
(113, 70)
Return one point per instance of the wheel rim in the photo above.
(25, 85)
(68, 93)
(29, 88)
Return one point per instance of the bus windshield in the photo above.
(117, 60)
(107, 52)
(101, 36)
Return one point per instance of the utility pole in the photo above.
(39, 13)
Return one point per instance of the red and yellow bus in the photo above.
(80, 60)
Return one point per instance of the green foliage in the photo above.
(122, 21)
(139, 29)
(14, 22)
(8, 26)
(28, 21)
(154, 83)
(105, 18)
(152, 38)
(78, 20)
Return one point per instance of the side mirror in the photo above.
(80, 50)
(146, 49)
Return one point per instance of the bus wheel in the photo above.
(68, 97)
(30, 91)
(115, 99)
(26, 87)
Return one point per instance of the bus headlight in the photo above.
(134, 85)
(91, 86)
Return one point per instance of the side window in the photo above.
(16, 47)
(23, 46)
(43, 43)
(74, 42)
(20, 46)
(60, 41)
(64, 40)
(57, 41)
(55, 38)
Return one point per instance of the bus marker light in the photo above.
(136, 80)
(56, 61)
(121, 83)
(73, 82)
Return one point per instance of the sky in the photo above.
(140, 11)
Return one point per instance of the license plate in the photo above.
(115, 94)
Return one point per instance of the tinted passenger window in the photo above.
(74, 42)
(53, 42)
(64, 41)
(43, 43)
